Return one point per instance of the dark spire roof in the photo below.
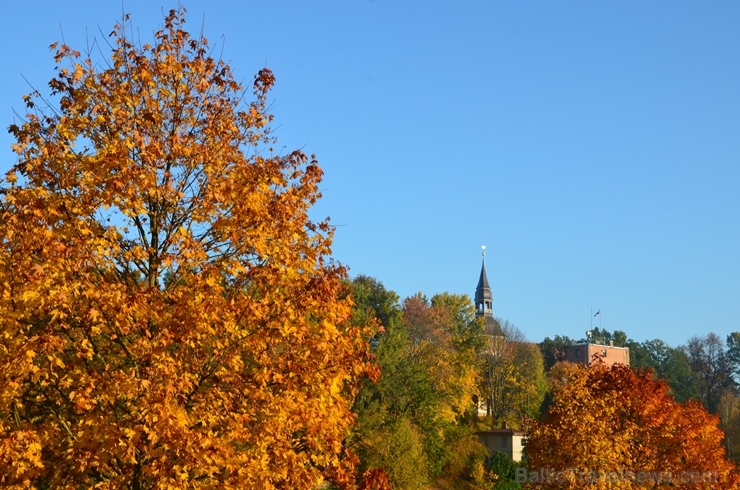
(493, 327)
(483, 291)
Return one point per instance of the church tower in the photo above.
(484, 301)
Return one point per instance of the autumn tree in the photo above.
(444, 341)
(669, 363)
(169, 315)
(456, 316)
(445, 337)
(416, 423)
(620, 428)
(513, 383)
(729, 415)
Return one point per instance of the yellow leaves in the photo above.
(336, 387)
(130, 433)
(82, 401)
(86, 348)
(20, 454)
(94, 314)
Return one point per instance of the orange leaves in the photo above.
(264, 80)
(20, 456)
(616, 421)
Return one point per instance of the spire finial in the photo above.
(483, 247)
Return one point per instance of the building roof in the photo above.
(493, 327)
(505, 431)
(585, 344)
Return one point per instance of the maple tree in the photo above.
(616, 427)
(169, 315)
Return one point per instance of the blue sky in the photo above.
(593, 147)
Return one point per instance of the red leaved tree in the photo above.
(620, 428)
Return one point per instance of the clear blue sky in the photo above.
(592, 146)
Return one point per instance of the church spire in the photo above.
(483, 295)
(484, 301)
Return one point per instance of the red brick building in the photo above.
(587, 352)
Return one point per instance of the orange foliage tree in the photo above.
(620, 428)
(169, 315)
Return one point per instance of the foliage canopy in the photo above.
(615, 427)
(168, 316)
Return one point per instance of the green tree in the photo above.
(713, 366)
(398, 448)
(553, 350)
(649, 354)
(683, 381)
(374, 302)
(505, 470)
(668, 363)
(733, 353)
(428, 353)
(604, 336)
(388, 407)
